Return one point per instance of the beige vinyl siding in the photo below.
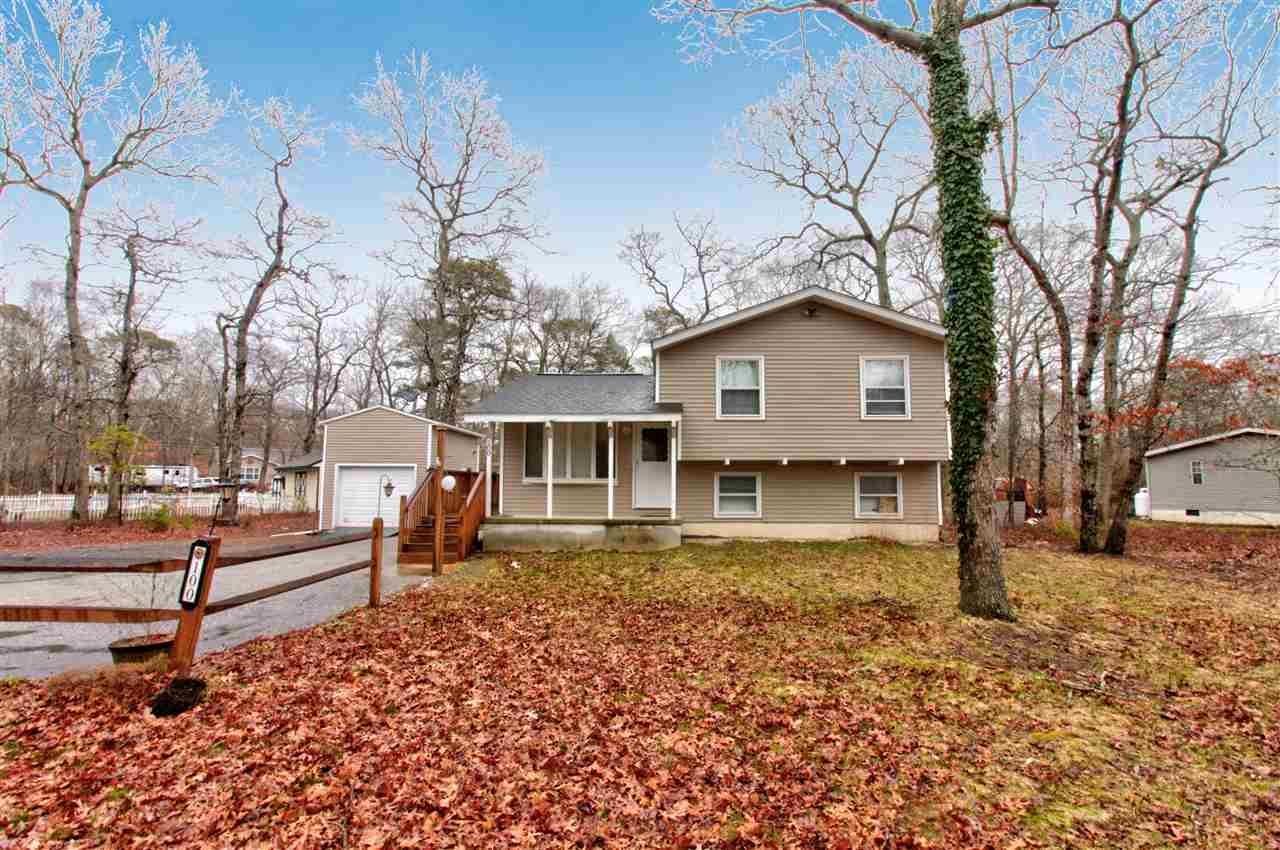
(1224, 488)
(460, 450)
(809, 492)
(812, 391)
(570, 500)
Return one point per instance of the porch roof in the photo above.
(574, 396)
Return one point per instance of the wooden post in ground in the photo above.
(375, 570)
(437, 543)
(192, 597)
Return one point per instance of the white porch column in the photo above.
(501, 431)
(549, 463)
(488, 474)
(610, 470)
(671, 453)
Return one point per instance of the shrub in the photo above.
(186, 522)
(158, 519)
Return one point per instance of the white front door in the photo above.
(653, 466)
(360, 494)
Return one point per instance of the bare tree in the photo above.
(706, 275)
(373, 376)
(1144, 156)
(841, 136)
(317, 309)
(155, 252)
(76, 111)
(280, 248)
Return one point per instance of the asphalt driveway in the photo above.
(42, 649)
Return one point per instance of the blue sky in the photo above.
(630, 132)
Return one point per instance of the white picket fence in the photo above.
(51, 507)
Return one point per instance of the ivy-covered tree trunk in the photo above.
(959, 141)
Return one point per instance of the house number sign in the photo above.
(196, 561)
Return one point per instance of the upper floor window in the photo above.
(886, 387)
(1197, 472)
(739, 387)
(250, 473)
(581, 451)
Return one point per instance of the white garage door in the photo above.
(358, 489)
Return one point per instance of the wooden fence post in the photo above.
(190, 619)
(375, 571)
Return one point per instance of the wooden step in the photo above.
(417, 557)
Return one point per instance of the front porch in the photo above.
(586, 469)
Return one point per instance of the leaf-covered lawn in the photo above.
(804, 695)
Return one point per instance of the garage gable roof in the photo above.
(437, 423)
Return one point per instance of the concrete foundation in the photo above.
(903, 532)
(1218, 517)
(567, 536)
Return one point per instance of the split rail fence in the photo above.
(191, 612)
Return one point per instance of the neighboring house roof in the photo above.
(1214, 438)
(830, 297)
(277, 455)
(306, 461)
(437, 423)
(566, 396)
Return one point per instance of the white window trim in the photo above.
(759, 512)
(568, 458)
(759, 358)
(857, 496)
(1202, 471)
(862, 385)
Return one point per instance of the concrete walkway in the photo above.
(42, 649)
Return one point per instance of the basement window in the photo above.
(1193, 512)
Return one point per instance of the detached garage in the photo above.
(363, 451)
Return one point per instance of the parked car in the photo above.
(204, 484)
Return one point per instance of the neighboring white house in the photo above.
(1231, 478)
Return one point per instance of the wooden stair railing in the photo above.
(416, 508)
(472, 516)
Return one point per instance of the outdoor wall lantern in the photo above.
(385, 485)
(448, 483)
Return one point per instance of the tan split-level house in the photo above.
(814, 415)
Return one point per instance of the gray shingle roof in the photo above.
(574, 394)
(302, 462)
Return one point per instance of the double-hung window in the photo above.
(581, 451)
(886, 387)
(739, 387)
(738, 495)
(1197, 472)
(878, 496)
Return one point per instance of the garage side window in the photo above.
(1197, 472)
